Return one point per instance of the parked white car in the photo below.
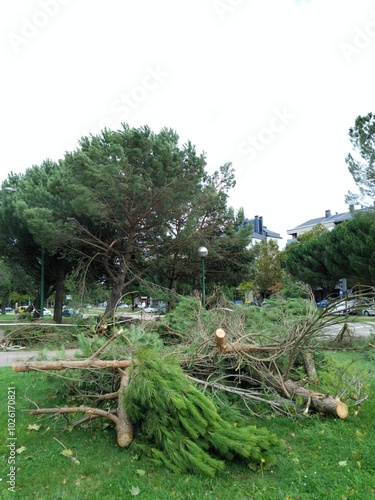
(344, 308)
(370, 311)
(150, 309)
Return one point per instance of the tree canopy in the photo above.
(346, 251)
(127, 206)
(361, 163)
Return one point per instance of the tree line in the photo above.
(127, 210)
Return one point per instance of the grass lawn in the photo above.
(321, 457)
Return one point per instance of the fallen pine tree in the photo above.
(175, 423)
(253, 366)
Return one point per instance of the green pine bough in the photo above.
(180, 427)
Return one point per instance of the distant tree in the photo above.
(31, 223)
(5, 285)
(267, 269)
(351, 250)
(306, 261)
(345, 252)
(314, 232)
(361, 164)
(208, 221)
(13, 279)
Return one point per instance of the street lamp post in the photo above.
(8, 189)
(202, 253)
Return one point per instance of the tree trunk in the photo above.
(116, 293)
(4, 301)
(59, 297)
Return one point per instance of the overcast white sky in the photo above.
(272, 86)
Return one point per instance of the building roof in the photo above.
(327, 219)
(261, 232)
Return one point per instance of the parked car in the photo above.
(150, 309)
(345, 307)
(8, 309)
(20, 309)
(322, 303)
(46, 312)
(72, 312)
(369, 311)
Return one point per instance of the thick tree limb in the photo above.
(222, 345)
(88, 410)
(310, 367)
(124, 427)
(64, 364)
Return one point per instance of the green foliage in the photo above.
(346, 378)
(124, 346)
(267, 270)
(180, 427)
(305, 261)
(347, 251)
(34, 336)
(185, 318)
(83, 384)
(316, 231)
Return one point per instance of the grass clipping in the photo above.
(180, 427)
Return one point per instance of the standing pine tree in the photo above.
(361, 164)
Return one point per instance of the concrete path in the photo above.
(363, 329)
(9, 358)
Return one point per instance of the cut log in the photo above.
(220, 339)
(222, 345)
(318, 402)
(65, 364)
